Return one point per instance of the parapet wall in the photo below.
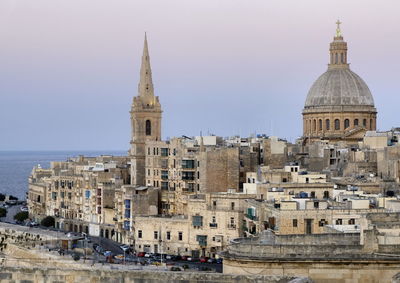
(50, 275)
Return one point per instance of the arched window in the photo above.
(337, 124)
(346, 123)
(370, 124)
(336, 58)
(365, 122)
(314, 127)
(327, 124)
(148, 128)
(320, 124)
(341, 58)
(355, 122)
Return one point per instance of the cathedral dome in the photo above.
(339, 105)
(339, 87)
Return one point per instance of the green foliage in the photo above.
(13, 198)
(3, 212)
(48, 221)
(21, 216)
(2, 197)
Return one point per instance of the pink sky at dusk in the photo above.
(69, 69)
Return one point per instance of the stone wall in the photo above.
(50, 275)
(321, 271)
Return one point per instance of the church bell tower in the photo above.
(145, 120)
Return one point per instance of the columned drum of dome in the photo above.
(339, 105)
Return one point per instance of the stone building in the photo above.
(209, 223)
(330, 257)
(339, 105)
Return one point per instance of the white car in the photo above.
(24, 208)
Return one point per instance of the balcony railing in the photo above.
(252, 217)
(213, 225)
(231, 226)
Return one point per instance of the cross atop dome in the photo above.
(338, 31)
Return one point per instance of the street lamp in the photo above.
(124, 248)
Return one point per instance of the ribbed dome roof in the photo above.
(339, 87)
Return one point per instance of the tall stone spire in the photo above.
(146, 88)
(145, 120)
(338, 50)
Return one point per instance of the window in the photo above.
(337, 124)
(126, 225)
(127, 203)
(155, 235)
(355, 122)
(164, 151)
(336, 58)
(352, 221)
(168, 235)
(339, 221)
(322, 223)
(164, 174)
(87, 194)
(214, 203)
(232, 206)
(294, 222)
(320, 124)
(326, 194)
(316, 204)
(180, 236)
(139, 234)
(148, 128)
(327, 124)
(164, 185)
(346, 123)
(312, 195)
(188, 164)
(197, 221)
(188, 175)
(127, 213)
(365, 122)
(370, 124)
(314, 126)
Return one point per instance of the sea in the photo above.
(16, 166)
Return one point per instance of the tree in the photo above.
(2, 197)
(3, 212)
(48, 221)
(21, 216)
(12, 197)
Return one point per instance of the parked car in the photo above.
(141, 254)
(148, 255)
(219, 261)
(24, 208)
(212, 260)
(203, 259)
(184, 257)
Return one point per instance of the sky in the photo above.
(70, 68)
